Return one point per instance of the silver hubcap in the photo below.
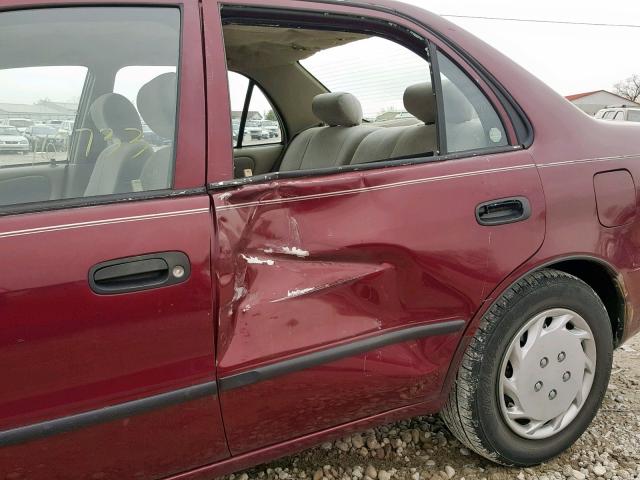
(547, 373)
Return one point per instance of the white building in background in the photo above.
(592, 102)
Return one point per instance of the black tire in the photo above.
(472, 412)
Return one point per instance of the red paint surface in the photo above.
(377, 250)
(151, 445)
(366, 254)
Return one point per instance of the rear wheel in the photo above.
(535, 373)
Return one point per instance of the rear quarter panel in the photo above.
(574, 228)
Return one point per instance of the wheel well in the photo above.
(603, 280)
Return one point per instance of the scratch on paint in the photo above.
(298, 292)
(239, 292)
(258, 261)
(298, 252)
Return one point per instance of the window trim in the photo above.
(317, 172)
(245, 112)
(116, 198)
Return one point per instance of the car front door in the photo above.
(345, 295)
(106, 328)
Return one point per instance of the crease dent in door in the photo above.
(294, 274)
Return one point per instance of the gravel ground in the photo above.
(423, 449)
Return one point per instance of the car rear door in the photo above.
(106, 328)
(345, 295)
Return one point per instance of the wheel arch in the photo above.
(604, 279)
(596, 272)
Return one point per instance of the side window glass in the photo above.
(64, 132)
(619, 116)
(262, 125)
(471, 122)
(609, 115)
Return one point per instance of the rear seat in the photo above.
(397, 142)
(333, 145)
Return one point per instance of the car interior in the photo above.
(326, 129)
(328, 101)
(331, 110)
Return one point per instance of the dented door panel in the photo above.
(308, 265)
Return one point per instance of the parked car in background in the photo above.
(12, 141)
(272, 128)
(255, 130)
(393, 115)
(44, 138)
(619, 114)
(184, 311)
(20, 123)
(65, 130)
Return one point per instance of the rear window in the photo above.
(375, 70)
(633, 115)
(9, 131)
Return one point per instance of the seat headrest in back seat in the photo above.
(115, 116)
(337, 109)
(157, 104)
(420, 102)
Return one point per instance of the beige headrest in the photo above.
(115, 117)
(337, 109)
(420, 102)
(457, 108)
(157, 104)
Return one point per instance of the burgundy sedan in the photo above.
(280, 221)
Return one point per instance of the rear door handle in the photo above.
(142, 272)
(503, 211)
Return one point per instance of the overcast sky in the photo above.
(570, 58)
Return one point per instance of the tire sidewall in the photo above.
(567, 293)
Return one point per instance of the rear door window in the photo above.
(377, 71)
